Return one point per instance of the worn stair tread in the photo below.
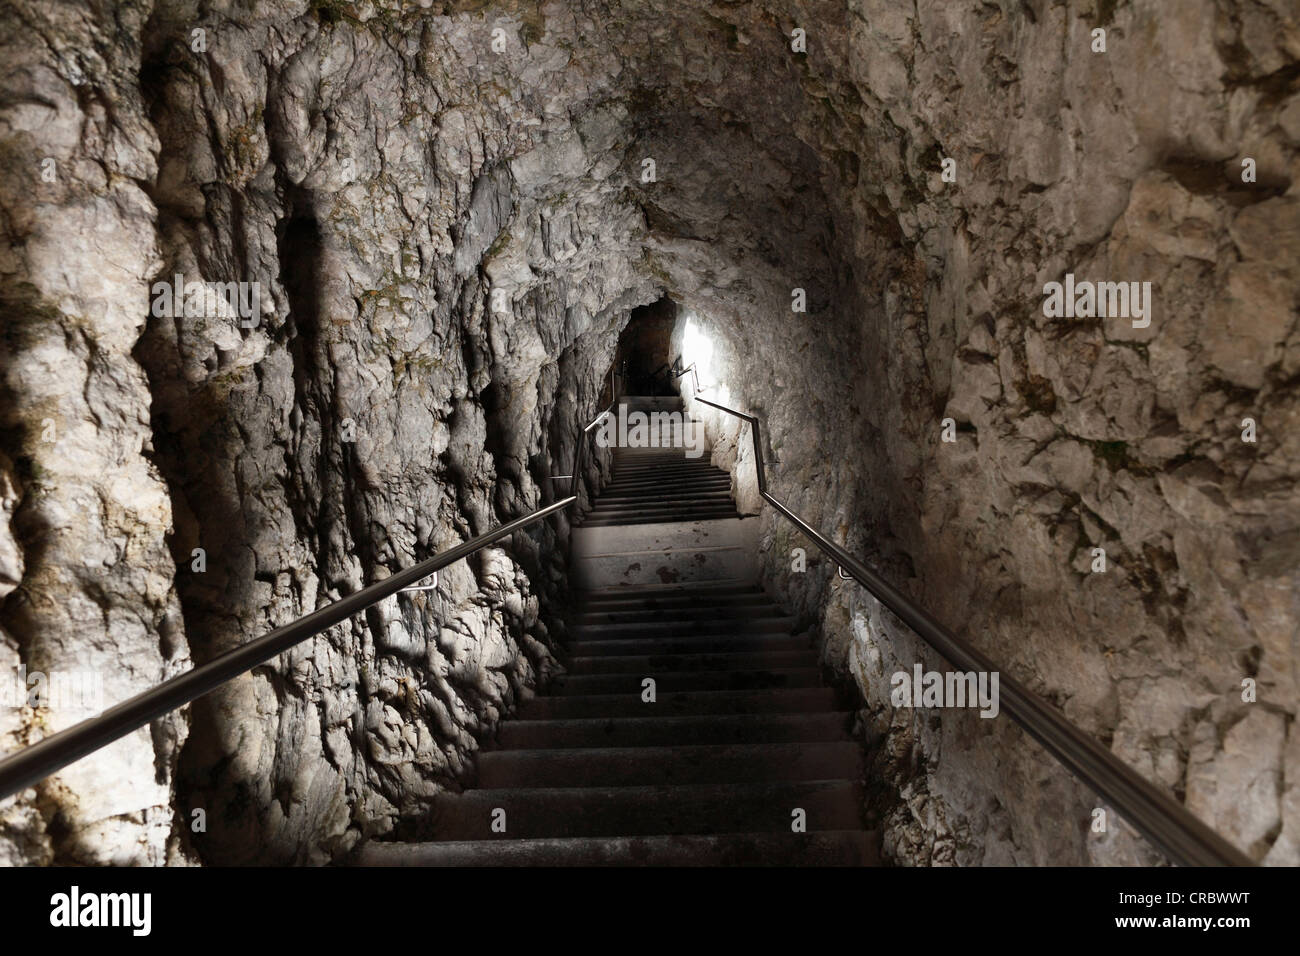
(666, 513)
(542, 812)
(670, 516)
(606, 630)
(628, 599)
(701, 612)
(693, 763)
(667, 682)
(720, 485)
(688, 644)
(664, 473)
(652, 519)
(652, 730)
(650, 664)
(661, 476)
(641, 490)
(679, 512)
(714, 611)
(835, 848)
(693, 589)
(780, 700)
(684, 500)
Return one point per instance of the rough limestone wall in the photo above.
(379, 178)
(456, 295)
(1071, 434)
(87, 572)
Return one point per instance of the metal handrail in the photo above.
(32, 764)
(1161, 819)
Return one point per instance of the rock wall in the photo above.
(1069, 434)
(443, 268)
(449, 210)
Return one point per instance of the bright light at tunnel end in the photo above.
(698, 349)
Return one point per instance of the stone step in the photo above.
(637, 489)
(780, 624)
(673, 682)
(664, 500)
(700, 612)
(651, 401)
(635, 474)
(675, 595)
(636, 766)
(669, 510)
(624, 521)
(698, 643)
(655, 731)
(652, 665)
(835, 848)
(687, 703)
(542, 812)
(604, 554)
(655, 493)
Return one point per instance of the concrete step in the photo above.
(711, 478)
(670, 682)
(700, 610)
(699, 643)
(739, 616)
(604, 555)
(662, 513)
(623, 521)
(835, 848)
(638, 474)
(636, 766)
(711, 513)
(653, 448)
(685, 467)
(683, 510)
(774, 700)
(667, 444)
(632, 488)
(780, 624)
(649, 457)
(674, 595)
(660, 494)
(641, 402)
(549, 812)
(659, 459)
(652, 730)
(651, 665)
(666, 499)
(612, 613)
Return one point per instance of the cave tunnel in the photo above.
(643, 358)
(650, 433)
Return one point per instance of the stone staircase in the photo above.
(739, 741)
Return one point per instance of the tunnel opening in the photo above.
(643, 359)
